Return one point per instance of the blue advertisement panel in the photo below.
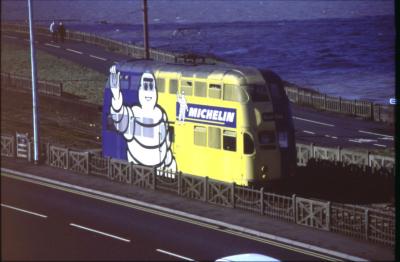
(212, 115)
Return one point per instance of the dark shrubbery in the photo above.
(338, 182)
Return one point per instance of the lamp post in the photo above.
(35, 103)
(146, 31)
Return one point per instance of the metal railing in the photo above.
(356, 221)
(306, 152)
(357, 108)
(20, 83)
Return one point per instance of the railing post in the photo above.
(154, 179)
(47, 160)
(88, 162)
(205, 198)
(294, 208)
(109, 167)
(179, 183)
(233, 194)
(366, 219)
(328, 216)
(67, 165)
(262, 201)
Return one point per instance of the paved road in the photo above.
(321, 128)
(46, 223)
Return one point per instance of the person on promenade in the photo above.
(61, 31)
(53, 31)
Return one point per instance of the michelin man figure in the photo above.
(144, 126)
(183, 107)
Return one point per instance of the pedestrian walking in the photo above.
(61, 31)
(53, 31)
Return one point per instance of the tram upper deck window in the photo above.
(160, 85)
(187, 87)
(233, 93)
(214, 91)
(173, 86)
(200, 89)
(248, 147)
(258, 93)
(267, 139)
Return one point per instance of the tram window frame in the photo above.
(213, 89)
(160, 85)
(200, 132)
(248, 144)
(187, 87)
(258, 96)
(173, 86)
(200, 89)
(234, 93)
(229, 140)
(271, 143)
(214, 137)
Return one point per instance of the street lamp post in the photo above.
(35, 103)
(146, 31)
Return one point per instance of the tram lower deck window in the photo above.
(248, 144)
(229, 140)
(200, 136)
(214, 137)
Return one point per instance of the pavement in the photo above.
(349, 248)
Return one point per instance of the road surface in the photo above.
(42, 222)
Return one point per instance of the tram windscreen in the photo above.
(258, 93)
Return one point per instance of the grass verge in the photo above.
(78, 80)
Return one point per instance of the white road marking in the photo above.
(334, 137)
(355, 141)
(312, 121)
(98, 57)
(308, 132)
(56, 46)
(372, 133)
(386, 138)
(379, 145)
(74, 51)
(99, 232)
(12, 37)
(25, 211)
(174, 255)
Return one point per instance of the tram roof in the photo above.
(249, 75)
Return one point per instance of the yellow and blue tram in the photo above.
(230, 123)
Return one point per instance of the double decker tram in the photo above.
(227, 122)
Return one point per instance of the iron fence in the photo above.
(356, 221)
(305, 152)
(358, 108)
(20, 83)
